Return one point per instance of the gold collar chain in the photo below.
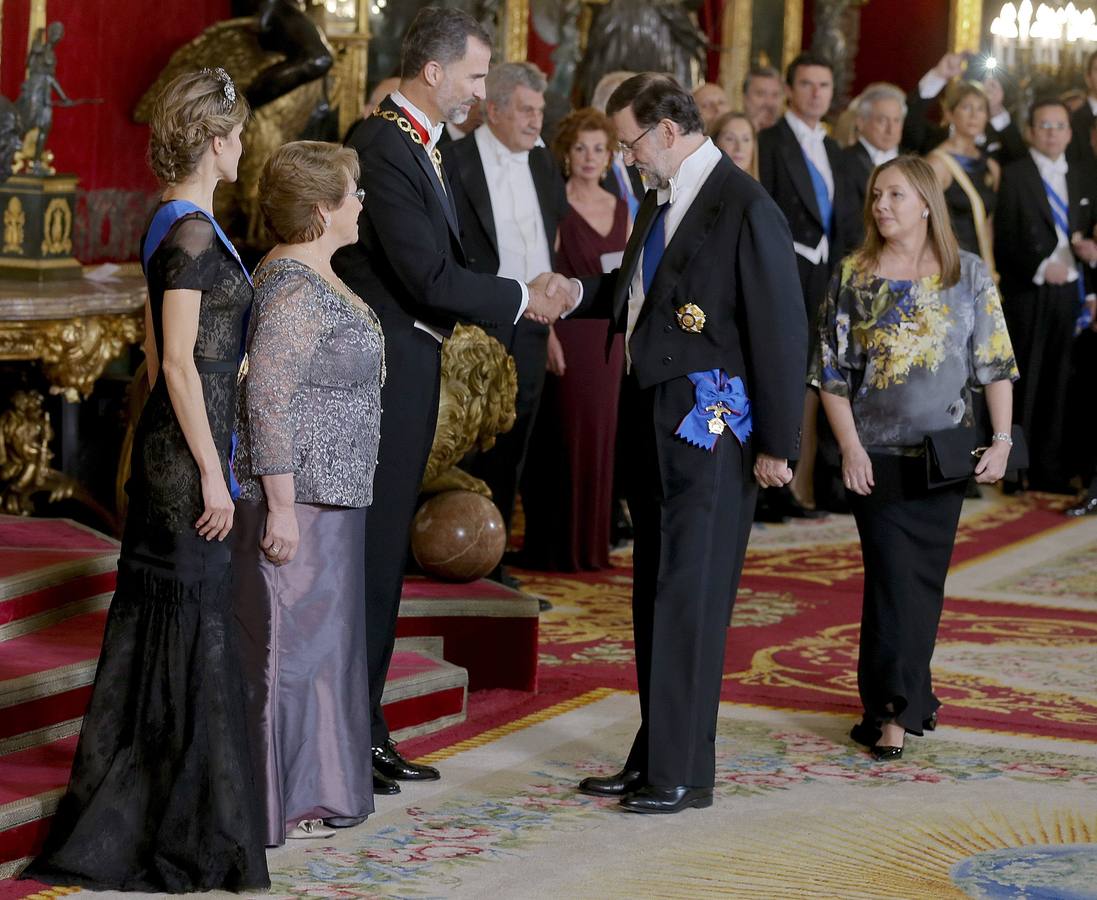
(404, 125)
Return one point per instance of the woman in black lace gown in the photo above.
(162, 797)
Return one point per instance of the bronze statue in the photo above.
(11, 136)
(642, 36)
(36, 101)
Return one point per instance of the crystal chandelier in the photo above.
(1043, 38)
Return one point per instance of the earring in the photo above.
(327, 221)
(951, 130)
(925, 213)
(567, 167)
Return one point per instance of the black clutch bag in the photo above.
(952, 454)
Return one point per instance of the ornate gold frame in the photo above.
(515, 28)
(735, 37)
(965, 25)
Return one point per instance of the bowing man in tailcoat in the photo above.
(510, 198)
(1044, 247)
(804, 172)
(410, 266)
(715, 332)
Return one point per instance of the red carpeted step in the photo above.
(488, 629)
(423, 694)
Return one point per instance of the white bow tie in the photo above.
(1055, 168)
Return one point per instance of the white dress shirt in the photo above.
(876, 155)
(435, 132)
(519, 225)
(811, 142)
(680, 194)
(1054, 172)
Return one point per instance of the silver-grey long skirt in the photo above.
(303, 640)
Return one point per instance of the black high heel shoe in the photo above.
(885, 754)
(930, 724)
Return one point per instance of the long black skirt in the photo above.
(907, 534)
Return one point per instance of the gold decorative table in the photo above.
(72, 329)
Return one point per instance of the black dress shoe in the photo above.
(883, 754)
(624, 782)
(388, 761)
(1088, 507)
(864, 734)
(383, 785)
(501, 576)
(652, 799)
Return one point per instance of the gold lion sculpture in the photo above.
(234, 46)
(479, 383)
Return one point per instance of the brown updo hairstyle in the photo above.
(297, 180)
(189, 113)
(586, 119)
(958, 91)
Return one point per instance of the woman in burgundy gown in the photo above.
(567, 494)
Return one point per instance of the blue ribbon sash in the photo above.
(1060, 212)
(166, 216)
(720, 403)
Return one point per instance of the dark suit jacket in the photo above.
(408, 263)
(784, 174)
(1024, 229)
(465, 169)
(858, 166)
(732, 256)
(1081, 122)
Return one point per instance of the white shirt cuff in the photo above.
(525, 300)
(1038, 278)
(1001, 121)
(931, 85)
(575, 305)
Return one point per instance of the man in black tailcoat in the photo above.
(510, 198)
(409, 265)
(716, 343)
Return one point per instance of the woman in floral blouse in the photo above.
(910, 322)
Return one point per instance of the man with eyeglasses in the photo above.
(716, 348)
(1044, 248)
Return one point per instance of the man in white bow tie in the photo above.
(510, 196)
(1044, 248)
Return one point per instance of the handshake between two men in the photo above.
(551, 295)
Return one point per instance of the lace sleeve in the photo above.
(188, 257)
(287, 330)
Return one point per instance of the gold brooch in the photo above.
(691, 318)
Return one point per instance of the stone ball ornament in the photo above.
(458, 536)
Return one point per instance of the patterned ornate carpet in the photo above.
(1000, 802)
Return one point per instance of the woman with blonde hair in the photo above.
(735, 135)
(910, 321)
(967, 175)
(310, 425)
(161, 796)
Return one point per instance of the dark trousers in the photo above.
(1041, 329)
(409, 401)
(907, 534)
(501, 466)
(1081, 422)
(692, 513)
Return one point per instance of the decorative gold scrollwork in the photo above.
(25, 435)
(57, 228)
(15, 221)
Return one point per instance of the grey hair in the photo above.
(505, 77)
(760, 72)
(881, 90)
(607, 84)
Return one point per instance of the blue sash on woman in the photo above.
(166, 216)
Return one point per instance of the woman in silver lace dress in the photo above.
(309, 426)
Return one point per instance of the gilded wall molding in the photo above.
(516, 34)
(735, 35)
(965, 26)
(793, 31)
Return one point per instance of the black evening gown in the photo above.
(162, 796)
